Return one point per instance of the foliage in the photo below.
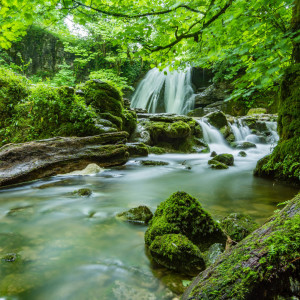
(65, 76)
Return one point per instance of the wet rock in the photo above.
(177, 252)
(83, 192)
(10, 257)
(238, 226)
(198, 112)
(242, 145)
(60, 155)
(22, 211)
(153, 163)
(140, 214)
(256, 111)
(183, 214)
(211, 255)
(217, 119)
(88, 170)
(210, 95)
(224, 158)
(213, 154)
(217, 165)
(137, 149)
(156, 150)
(242, 154)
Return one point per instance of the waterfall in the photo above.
(240, 131)
(172, 93)
(213, 137)
(272, 127)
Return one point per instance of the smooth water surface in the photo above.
(73, 247)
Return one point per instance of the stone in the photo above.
(242, 145)
(238, 226)
(217, 119)
(242, 154)
(213, 154)
(198, 112)
(153, 163)
(177, 252)
(183, 214)
(83, 192)
(224, 158)
(137, 149)
(256, 111)
(90, 169)
(217, 165)
(212, 254)
(140, 215)
(60, 155)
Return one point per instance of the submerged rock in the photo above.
(242, 145)
(177, 252)
(217, 165)
(224, 158)
(183, 214)
(88, 170)
(60, 155)
(242, 154)
(238, 226)
(140, 214)
(153, 163)
(83, 192)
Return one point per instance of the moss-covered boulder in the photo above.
(183, 214)
(284, 163)
(238, 226)
(177, 252)
(257, 111)
(83, 192)
(129, 121)
(242, 154)
(156, 150)
(139, 215)
(224, 158)
(242, 145)
(137, 149)
(214, 164)
(217, 119)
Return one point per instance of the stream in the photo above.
(72, 247)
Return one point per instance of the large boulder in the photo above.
(177, 252)
(217, 119)
(183, 214)
(60, 155)
(225, 158)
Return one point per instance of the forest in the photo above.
(150, 150)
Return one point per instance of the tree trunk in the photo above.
(264, 265)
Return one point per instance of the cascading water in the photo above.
(171, 93)
(240, 130)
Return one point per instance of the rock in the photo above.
(126, 103)
(256, 111)
(10, 257)
(60, 155)
(198, 112)
(177, 252)
(83, 192)
(88, 170)
(140, 214)
(183, 214)
(137, 149)
(242, 145)
(242, 154)
(210, 95)
(217, 119)
(224, 158)
(211, 255)
(153, 163)
(217, 165)
(21, 211)
(156, 150)
(238, 226)
(129, 121)
(213, 154)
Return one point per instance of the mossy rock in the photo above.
(242, 154)
(217, 119)
(129, 121)
(213, 154)
(137, 149)
(139, 215)
(217, 165)
(156, 150)
(197, 112)
(225, 158)
(83, 192)
(103, 97)
(256, 111)
(183, 214)
(238, 226)
(177, 252)
(117, 121)
(242, 145)
(153, 163)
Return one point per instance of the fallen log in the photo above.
(60, 155)
(265, 265)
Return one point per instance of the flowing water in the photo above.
(165, 91)
(73, 247)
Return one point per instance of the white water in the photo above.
(240, 131)
(175, 88)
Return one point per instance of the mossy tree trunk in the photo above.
(264, 265)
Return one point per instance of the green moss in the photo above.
(225, 158)
(114, 119)
(217, 165)
(156, 150)
(238, 226)
(256, 111)
(177, 252)
(217, 119)
(183, 214)
(129, 121)
(140, 214)
(83, 192)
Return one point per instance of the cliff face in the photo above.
(45, 51)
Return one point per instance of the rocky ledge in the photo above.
(60, 155)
